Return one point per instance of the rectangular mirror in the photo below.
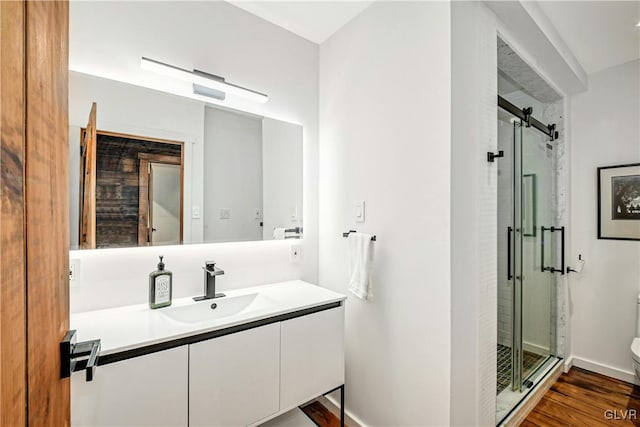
(153, 168)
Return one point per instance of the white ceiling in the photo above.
(313, 20)
(516, 75)
(601, 34)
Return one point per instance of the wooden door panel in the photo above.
(47, 210)
(34, 300)
(12, 267)
(143, 203)
(88, 186)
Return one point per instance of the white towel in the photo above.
(360, 265)
(278, 233)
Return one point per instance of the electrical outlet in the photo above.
(74, 271)
(296, 253)
(225, 213)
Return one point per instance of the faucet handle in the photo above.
(210, 267)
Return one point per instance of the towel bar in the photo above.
(373, 238)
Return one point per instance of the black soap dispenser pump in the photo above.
(160, 286)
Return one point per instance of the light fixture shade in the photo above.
(207, 91)
(201, 79)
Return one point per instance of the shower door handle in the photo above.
(562, 248)
(509, 273)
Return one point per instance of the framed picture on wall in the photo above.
(619, 202)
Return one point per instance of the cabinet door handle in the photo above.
(509, 273)
(562, 249)
(542, 267)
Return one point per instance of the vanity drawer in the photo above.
(312, 356)
(149, 390)
(234, 379)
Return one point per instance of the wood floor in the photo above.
(583, 398)
(320, 415)
(579, 398)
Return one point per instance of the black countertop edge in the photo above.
(178, 342)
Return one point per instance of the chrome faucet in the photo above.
(210, 273)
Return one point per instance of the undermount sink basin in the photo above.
(217, 308)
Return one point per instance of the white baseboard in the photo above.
(331, 404)
(568, 363)
(609, 371)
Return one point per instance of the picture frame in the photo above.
(530, 208)
(619, 202)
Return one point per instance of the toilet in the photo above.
(635, 345)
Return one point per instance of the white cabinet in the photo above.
(149, 390)
(234, 379)
(239, 379)
(312, 356)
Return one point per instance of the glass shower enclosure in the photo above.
(529, 244)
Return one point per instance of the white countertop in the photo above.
(135, 326)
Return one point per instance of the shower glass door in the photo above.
(534, 253)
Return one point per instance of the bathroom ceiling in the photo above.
(517, 75)
(601, 34)
(314, 20)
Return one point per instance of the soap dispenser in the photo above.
(160, 284)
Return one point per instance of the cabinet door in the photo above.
(148, 390)
(312, 356)
(234, 379)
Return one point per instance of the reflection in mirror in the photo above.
(138, 191)
(152, 168)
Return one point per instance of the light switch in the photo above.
(74, 271)
(359, 211)
(294, 213)
(258, 213)
(225, 213)
(195, 212)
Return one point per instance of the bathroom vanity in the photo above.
(261, 352)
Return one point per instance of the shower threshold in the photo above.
(509, 402)
(530, 363)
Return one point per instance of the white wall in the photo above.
(108, 39)
(117, 277)
(473, 215)
(605, 124)
(232, 176)
(385, 139)
(282, 175)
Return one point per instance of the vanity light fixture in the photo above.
(202, 79)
